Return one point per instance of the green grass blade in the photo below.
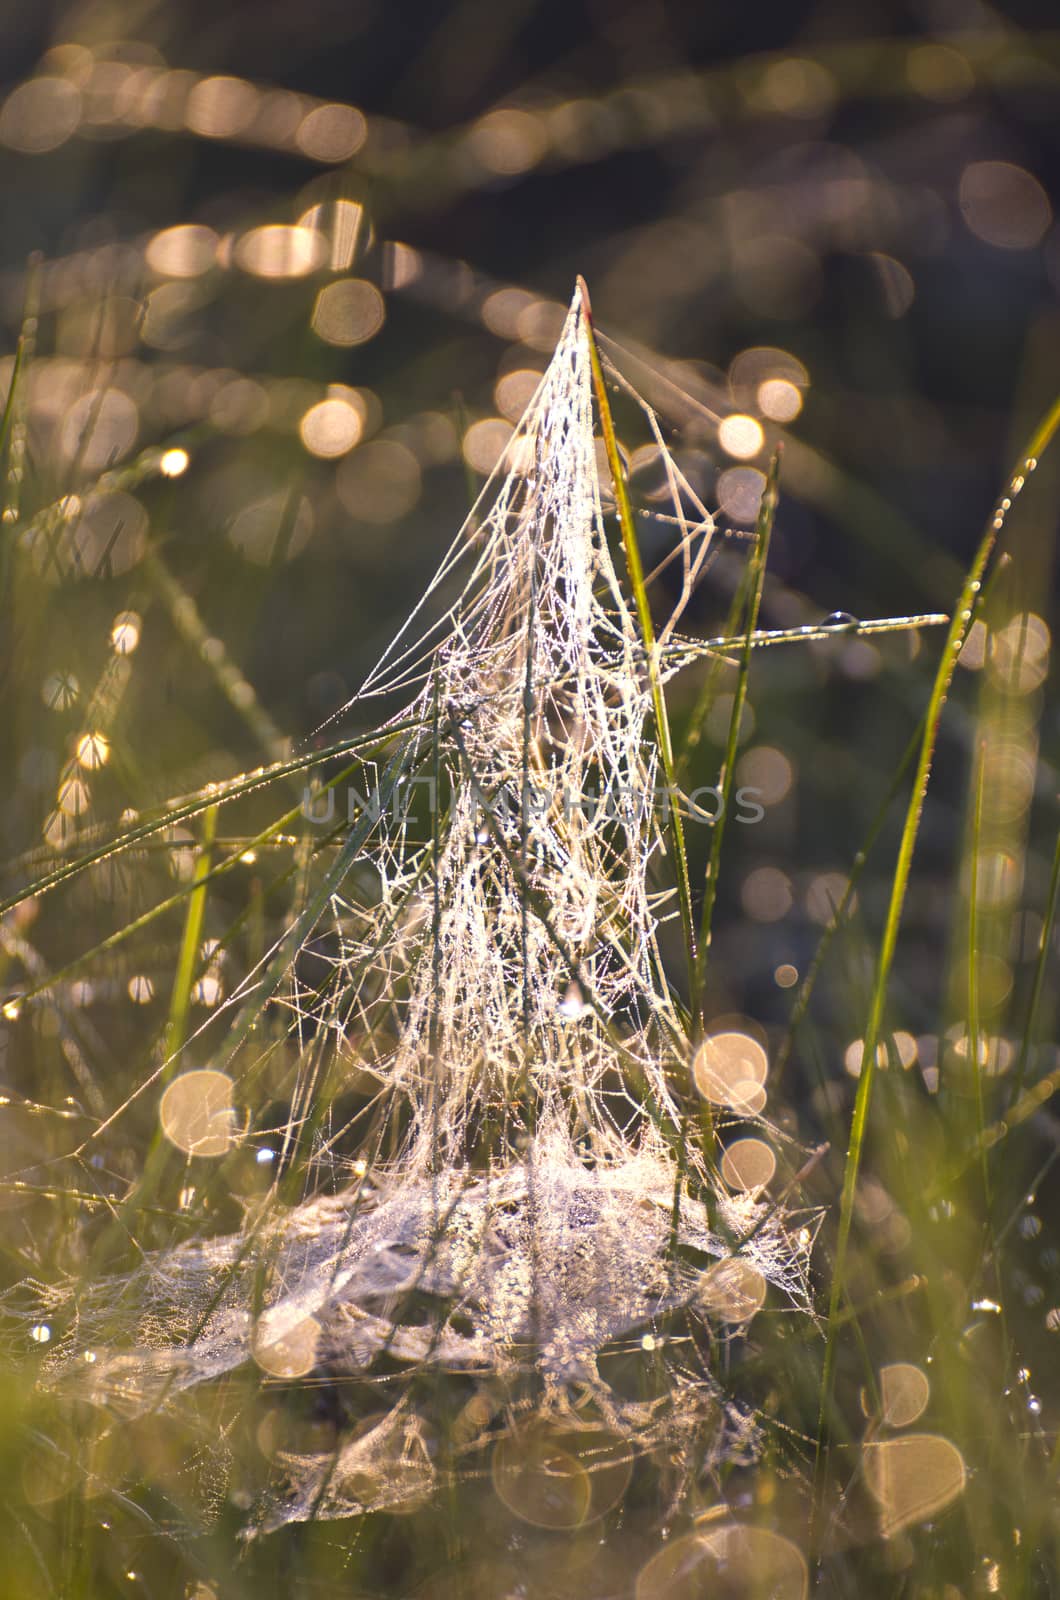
(756, 581)
(1045, 942)
(973, 965)
(194, 805)
(8, 416)
(955, 638)
(635, 570)
(188, 960)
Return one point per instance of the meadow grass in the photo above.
(880, 1499)
(250, 1059)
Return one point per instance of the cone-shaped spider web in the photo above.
(526, 1205)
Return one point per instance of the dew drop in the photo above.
(839, 619)
(912, 1478)
(573, 1006)
(173, 462)
(285, 1344)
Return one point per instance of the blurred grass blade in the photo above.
(755, 582)
(1045, 945)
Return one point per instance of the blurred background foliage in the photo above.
(286, 277)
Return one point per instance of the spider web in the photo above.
(527, 1203)
(517, 939)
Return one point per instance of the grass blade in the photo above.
(188, 959)
(958, 631)
(635, 570)
(755, 582)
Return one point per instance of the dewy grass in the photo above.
(481, 1256)
(956, 637)
(544, 941)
